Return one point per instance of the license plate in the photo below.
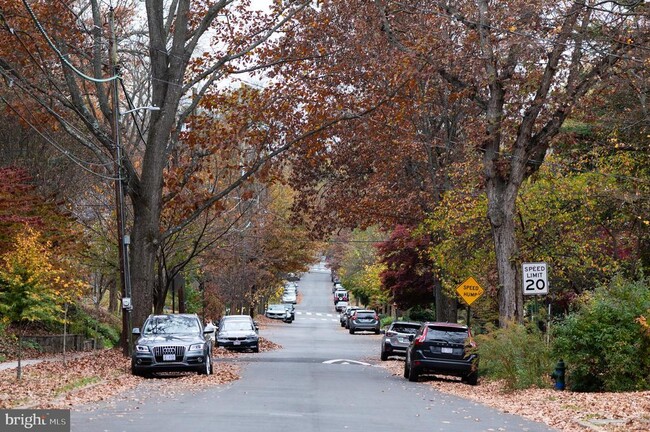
(169, 357)
(446, 350)
(236, 343)
(401, 340)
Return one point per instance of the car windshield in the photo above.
(408, 329)
(236, 326)
(453, 335)
(172, 325)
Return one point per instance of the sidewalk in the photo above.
(23, 363)
(53, 358)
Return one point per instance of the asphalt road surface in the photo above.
(324, 379)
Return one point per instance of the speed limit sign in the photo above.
(534, 278)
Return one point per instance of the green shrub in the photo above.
(516, 354)
(421, 315)
(82, 323)
(604, 344)
(386, 321)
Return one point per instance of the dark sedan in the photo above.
(235, 333)
(171, 343)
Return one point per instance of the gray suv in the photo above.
(170, 343)
(364, 319)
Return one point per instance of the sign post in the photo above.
(470, 291)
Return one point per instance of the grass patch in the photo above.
(2, 358)
(81, 382)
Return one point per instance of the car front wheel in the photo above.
(207, 366)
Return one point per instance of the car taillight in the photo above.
(420, 339)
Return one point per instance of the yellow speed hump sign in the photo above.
(470, 290)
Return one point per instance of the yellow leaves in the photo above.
(31, 263)
(643, 322)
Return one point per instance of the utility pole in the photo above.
(123, 239)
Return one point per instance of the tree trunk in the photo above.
(446, 307)
(143, 257)
(113, 297)
(19, 369)
(501, 214)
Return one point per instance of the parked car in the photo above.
(337, 286)
(238, 332)
(283, 312)
(292, 310)
(170, 343)
(340, 295)
(289, 297)
(364, 320)
(442, 348)
(246, 318)
(345, 315)
(340, 306)
(396, 338)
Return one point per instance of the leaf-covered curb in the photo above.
(562, 410)
(93, 377)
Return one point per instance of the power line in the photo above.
(60, 54)
(65, 152)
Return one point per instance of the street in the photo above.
(323, 379)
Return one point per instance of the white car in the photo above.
(289, 297)
(340, 306)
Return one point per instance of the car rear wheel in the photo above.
(406, 370)
(384, 355)
(471, 378)
(414, 374)
(351, 330)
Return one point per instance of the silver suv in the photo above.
(364, 319)
(396, 341)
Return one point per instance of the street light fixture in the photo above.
(147, 108)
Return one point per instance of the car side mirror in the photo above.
(135, 331)
(411, 337)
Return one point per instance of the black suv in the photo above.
(442, 348)
(170, 343)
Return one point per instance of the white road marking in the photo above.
(346, 361)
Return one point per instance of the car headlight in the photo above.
(196, 347)
(142, 349)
